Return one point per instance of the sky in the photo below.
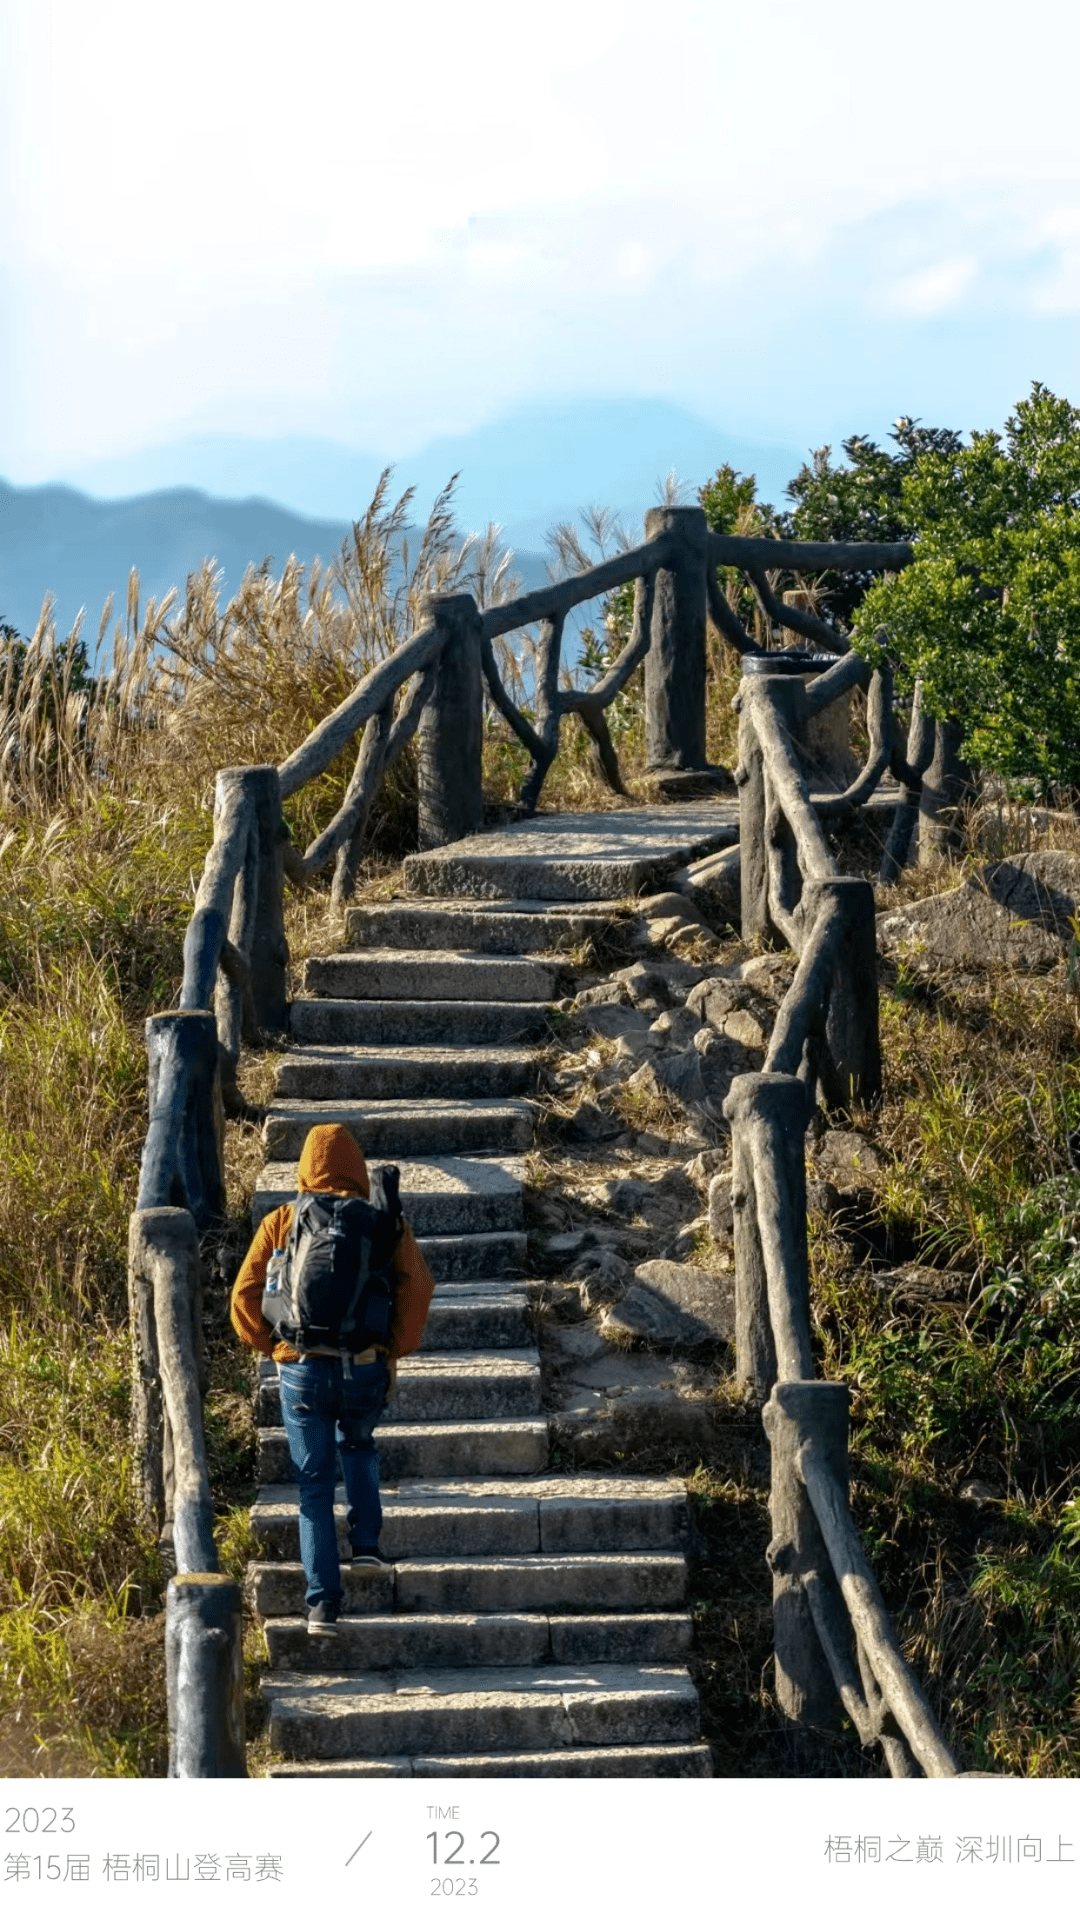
(384, 224)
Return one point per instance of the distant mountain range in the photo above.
(56, 540)
(240, 500)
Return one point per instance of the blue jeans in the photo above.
(329, 1403)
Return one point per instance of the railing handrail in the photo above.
(324, 742)
(834, 556)
(554, 602)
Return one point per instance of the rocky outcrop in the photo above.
(1016, 913)
(672, 1305)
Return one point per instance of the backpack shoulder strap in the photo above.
(386, 1195)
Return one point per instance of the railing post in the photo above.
(947, 783)
(147, 1404)
(762, 825)
(675, 662)
(851, 1068)
(204, 1677)
(203, 1614)
(254, 1001)
(451, 730)
(183, 1161)
(801, 1411)
(768, 1114)
(269, 951)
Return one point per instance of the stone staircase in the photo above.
(532, 1622)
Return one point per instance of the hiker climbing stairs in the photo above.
(530, 1622)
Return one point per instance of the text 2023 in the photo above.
(39, 1819)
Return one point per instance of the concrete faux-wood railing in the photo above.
(235, 959)
(835, 1647)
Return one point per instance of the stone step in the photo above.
(467, 1316)
(392, 1128)
(381, 1642)
(440, 1195)
(674, 1761)
(527, 927)
(385, 974)
(583, 857)
(418, 1450)
(479, 1710)
(591, 1583)
(416, 1023)
(554, 1514)
(405, 1073)
(478, 1315)
(447, 1386)
(459, 1259)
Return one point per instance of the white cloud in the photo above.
(381, 222)
(931, 291)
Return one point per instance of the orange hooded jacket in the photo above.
(331, 1162)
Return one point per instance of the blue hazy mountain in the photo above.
(239, 500)
(525, 470)
(57, 540)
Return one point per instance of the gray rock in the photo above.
(590, 1122)
(676, 1027)
(747, 1029)
(645, 986)
(602, 1275)
(705, 1166)
(616, 1023)
(574, 1347)
(669, 906)
(685, 1241)
(721, 1215)
(629, 1198)
(674, 928)
(699, 1076)
(656, 1147)
(1040, 887)
(654, 1201)
(669, 1304)
(821, 1197)
(652, 1418)
(615, 1374)
(714, 999)
(770, 974)
(610, 993)
(920, 1286)
(660, 983)
(979, 1492)
(678, 1074)
(561, 1246)
(715, 884)
(967, 928)
(638, 1046)
(848, 1159)
(721, 1060)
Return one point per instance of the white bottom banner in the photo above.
(522, 1848)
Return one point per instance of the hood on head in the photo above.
(331, 1161)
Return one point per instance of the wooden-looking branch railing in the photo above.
(550, 605)
(836, 1651)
